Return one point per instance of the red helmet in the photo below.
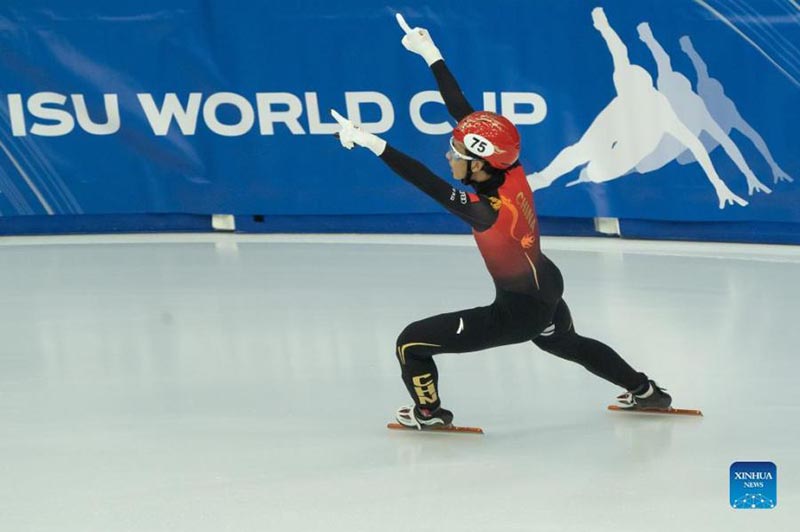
(490, 136)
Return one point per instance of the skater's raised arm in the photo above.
(419, 41)
(454, 99)
(697, 61)
(619, 52)
(659, 54)
(474, 209)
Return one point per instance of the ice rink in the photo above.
(209, 383)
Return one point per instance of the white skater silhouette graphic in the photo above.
(628, 129)
(724, 111)
(692, 111)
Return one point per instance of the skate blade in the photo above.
(440, 428)
(673, 411)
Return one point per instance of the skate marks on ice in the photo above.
(644, 127)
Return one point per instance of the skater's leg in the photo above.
(615, 163)
(561, 340)
(567, 160)
(512, 318)
(454, 332)
(597, 140)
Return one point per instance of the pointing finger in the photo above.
(403, 23)
(339, 118)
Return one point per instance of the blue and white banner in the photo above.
(684, 110)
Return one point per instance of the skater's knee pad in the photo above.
(410, 347)
(405, 336)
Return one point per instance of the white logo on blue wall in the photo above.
(724, 112)
(51, 114)
(643, 128)
(692, 111)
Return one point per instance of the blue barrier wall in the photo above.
(128, 110)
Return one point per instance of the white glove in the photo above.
(351, 134)
(419, 41)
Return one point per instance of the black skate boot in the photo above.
(422, 418)
(653, 398)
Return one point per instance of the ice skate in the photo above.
(439, 420)
(654, 398)
(414, 417)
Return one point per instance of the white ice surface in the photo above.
(237, 383)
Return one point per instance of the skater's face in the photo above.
(458, 159)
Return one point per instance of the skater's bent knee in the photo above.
(406, 335)
(566, 346)
(410, 347)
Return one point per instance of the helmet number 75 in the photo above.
(478, 145)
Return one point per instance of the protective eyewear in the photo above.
(457, 154)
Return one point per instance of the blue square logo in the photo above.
(754, 485)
